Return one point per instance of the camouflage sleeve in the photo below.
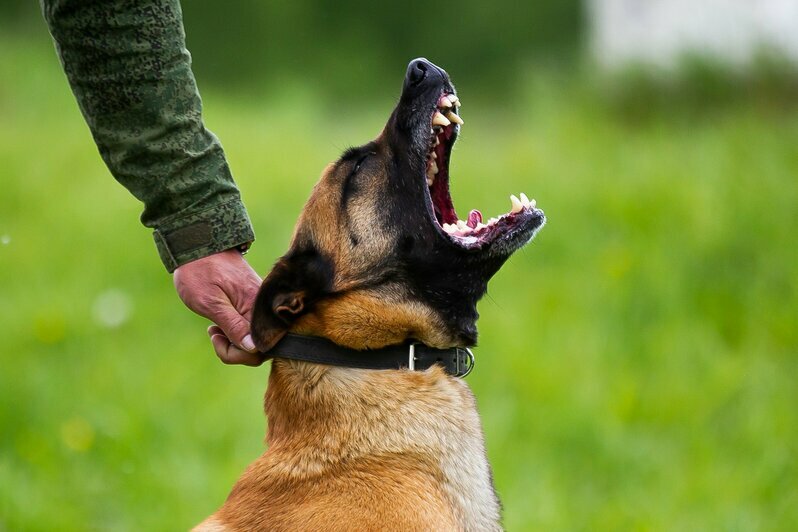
(130, 71)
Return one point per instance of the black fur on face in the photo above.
(376, 222)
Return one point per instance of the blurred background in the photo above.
(637, 364)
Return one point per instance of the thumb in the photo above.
(235, 327)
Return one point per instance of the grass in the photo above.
(637, 363)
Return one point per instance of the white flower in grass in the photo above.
(112, 308)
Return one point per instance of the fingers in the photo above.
(235, 327)
(229, 353)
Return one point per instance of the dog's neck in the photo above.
(322, 415)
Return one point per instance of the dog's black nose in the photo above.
(424, 77)
(417, 71)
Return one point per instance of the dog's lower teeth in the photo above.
(516, 203)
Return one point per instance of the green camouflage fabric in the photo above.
(128, 66)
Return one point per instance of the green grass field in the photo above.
(637, 366)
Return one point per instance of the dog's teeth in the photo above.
(430, 181)
(433, 168)
(461, 225)
(524, 200)
(454, 118)
(434, 155)
(492, 221)
(439, 120)
(454, 99)
(444, 102)
(437, 141)
(449, 228)
(533, 203)
(517, 205)
(480, 226)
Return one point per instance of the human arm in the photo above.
(129, 69)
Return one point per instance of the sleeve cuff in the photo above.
(203, 233)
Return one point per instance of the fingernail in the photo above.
(248, 344)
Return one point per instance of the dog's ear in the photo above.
(296, 282)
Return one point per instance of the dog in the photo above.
(379, 266)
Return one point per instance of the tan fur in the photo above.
(392, 450)
(362, 320)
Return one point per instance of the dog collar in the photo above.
(456, 361)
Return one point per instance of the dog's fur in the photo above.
(353, 449)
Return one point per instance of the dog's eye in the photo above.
(359, 163)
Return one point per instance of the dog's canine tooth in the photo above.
(439, 120)
(444, 102)
(524, 200)
(454, 118)
(517, 205)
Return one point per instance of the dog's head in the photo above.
(379, 254)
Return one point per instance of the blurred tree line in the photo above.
(348, 43)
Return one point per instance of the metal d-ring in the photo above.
(470, 367)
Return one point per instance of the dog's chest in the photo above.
(468, 478)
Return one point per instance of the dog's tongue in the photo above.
(474, 218)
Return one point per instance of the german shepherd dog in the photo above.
(379, 258)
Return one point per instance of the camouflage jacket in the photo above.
(128, 66)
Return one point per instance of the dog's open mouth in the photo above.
(472, 232)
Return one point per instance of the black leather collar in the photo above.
(456, 361)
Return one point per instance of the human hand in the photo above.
(222, 287)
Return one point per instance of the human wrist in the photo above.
(200, 234)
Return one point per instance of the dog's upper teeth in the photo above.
(517, 205)
(437, 141)
(431, 171)
(439, 120)
(454, 99)
(454, 118)
(434, 155)
(444, 102)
